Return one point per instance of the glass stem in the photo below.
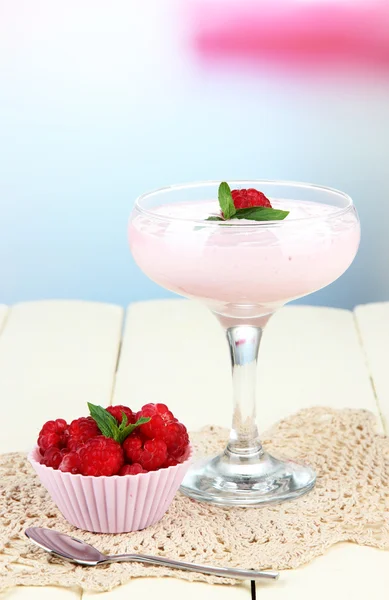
(244, 343)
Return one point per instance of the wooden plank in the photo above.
(373, 324)
(345, 571)
(172, 589)
(54, 357)
(3, 316)
(174, 351)
(320, 362)
(41, 593)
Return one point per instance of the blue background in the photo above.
(102, 101)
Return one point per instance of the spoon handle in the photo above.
(186, 566)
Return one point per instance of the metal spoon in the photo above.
(84, 554)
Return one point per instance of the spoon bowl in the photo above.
(65, 546)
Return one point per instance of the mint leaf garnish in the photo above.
(214, 219)
(109, 426)
(124, 420)
(261, 213)
(225, 200)
(126, 431)
(104, 420)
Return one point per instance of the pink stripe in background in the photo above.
(323, 33)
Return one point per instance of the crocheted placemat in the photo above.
(349, 503)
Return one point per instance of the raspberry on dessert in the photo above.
(133, 448)
(81, 430)
(53, 457)
(70, 463)
(133, 469)
(249, 198)
(154, 454)
(116, 411)
(100, 456)
(53, 433)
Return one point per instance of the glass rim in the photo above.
(257, 182)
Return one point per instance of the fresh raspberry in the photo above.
(53, 457)
(153, 455)
(134, 469)
(133, 448)
(80, 431)
(116, 411)
(177, 439)
(100, 456)
(249, 198)
(70, 463)
(53, 433)
(150, 455)
(170, 462)
(164, 426)
(159, 415)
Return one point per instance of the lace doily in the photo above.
(349, 503)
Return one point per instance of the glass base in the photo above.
(233, 480)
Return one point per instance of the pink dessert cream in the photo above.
(239, 266)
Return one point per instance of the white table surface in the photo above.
(57, 355)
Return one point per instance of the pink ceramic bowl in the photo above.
(116, 504)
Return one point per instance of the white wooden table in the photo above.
(57, 355)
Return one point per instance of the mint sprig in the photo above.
(109, 426)
(225, 200)
(255, 213)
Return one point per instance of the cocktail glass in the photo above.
(244, 271)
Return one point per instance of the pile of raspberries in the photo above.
(160, 441)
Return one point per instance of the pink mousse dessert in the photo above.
(244, 267)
